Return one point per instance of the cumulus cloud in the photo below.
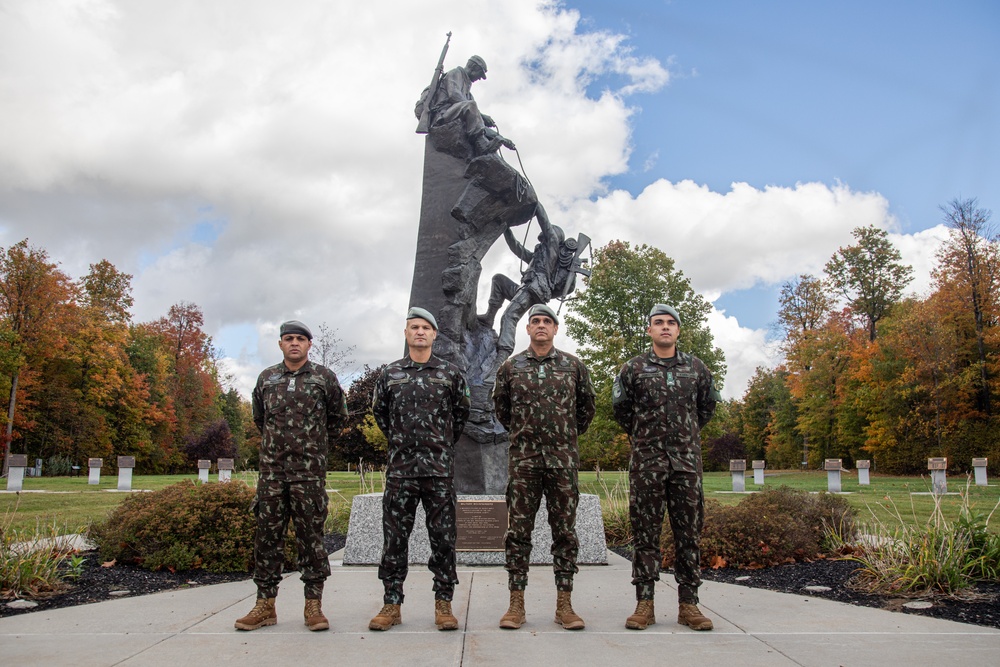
(259, 159)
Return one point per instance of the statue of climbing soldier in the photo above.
(449, 99)
(551, 274)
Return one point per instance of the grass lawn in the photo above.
(72, 503)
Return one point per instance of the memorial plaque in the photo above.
(737, 465)
(481, 525)
(833, 464)
(204, 464)
(862, 464)
(226, 464)
(126, 461)
(18, 461)
(979, 463)
(758, 465)
(95, 463)
(937, 463)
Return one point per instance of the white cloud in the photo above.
(131, 127)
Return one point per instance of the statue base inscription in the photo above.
(481, 525)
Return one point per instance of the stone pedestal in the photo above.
(15, 471)
(94, 466)
(364, 534)
(204, 465)
(125, 466)
(225, 469)
(737, 468)
(758, 473)
(979, 467)
(939, 474)
(863, 467)
(833, 468)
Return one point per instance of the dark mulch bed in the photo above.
(983, 609)
(97, 583)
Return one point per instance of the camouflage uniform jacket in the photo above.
(544, 403)
(663, 404)
(421, 409)
(299, 413)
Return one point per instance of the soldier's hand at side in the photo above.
(488, 121)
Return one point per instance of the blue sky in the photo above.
(258, 159)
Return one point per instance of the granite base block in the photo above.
(364, 535)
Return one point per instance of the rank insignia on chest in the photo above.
(291, 384)
(670, 378)
(541, 372)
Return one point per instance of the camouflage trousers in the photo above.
(525, 488)
(305, 505)
(651, 493)
(399, 511)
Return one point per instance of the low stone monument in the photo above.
(204, 465)
(15, 471)
(737, 468)
(979, 468)
(758, 473)
(939, 474)
(833, 468)
(94, 471)
(863, 467)
(225, 470)
(125, 466)
(364, 533)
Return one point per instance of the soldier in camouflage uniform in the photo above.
(421, 403)
(663, 399)
(299, 408)
(544, 398)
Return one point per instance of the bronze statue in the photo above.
(551, 274)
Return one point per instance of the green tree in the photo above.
(610, 317)
(869, 275)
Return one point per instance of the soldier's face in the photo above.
(419, 333)
(294, 347)
(542, 329)
(475, 72)
(663, 330)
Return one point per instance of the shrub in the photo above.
(58, 466)
(181, 527)
(769, 528)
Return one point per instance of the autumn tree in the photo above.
(804, 306)
(870, 275)
(969, 271)
(32, 290)
(352, 445)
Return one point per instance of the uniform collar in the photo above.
(553, 354)
(304, 368)
(677, 359)
(433, 362)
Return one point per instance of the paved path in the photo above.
(194, 627)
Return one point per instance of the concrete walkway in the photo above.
(194, 627)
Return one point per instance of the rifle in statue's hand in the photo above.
(424, 124)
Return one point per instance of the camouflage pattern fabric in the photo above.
(421, 409)
(663, 404)
(399, 508)
(298, 414)
(544, 403)
(525, 487)
(305, 505)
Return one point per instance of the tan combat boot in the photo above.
(263, 613)
(315, 620)
(389, 616)
(688, 614)
(443, 618)
(643, 616)
(514, 618)
(565, 616)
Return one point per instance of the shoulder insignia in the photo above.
(397, 375)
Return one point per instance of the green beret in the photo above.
(664, 309)
(542, 309)
(422, 314)
(295, 327)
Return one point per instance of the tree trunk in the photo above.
(10, 421)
